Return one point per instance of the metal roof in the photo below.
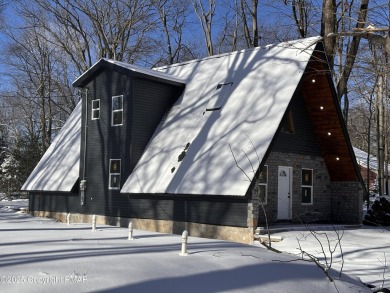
(361, 158)
(58, 170)
(128, 67)
(195, 151)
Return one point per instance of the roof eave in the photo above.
(133, 70)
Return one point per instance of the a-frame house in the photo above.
(201, 145)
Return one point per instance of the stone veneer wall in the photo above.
(320, 210)
(347, 202)
(333, 202)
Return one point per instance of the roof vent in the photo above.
(218, 99)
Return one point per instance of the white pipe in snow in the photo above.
(130, 231)
(93, 223)
(68, 219)
(184, 239)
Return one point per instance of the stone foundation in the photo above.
(235, 234)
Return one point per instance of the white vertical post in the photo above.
(184, 239)
(93, 223)
(130, 231)
(68, 219)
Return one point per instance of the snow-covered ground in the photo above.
(42, 255)
(364, 253)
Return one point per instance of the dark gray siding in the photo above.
(54, 202)
(304, 140)
(145, 104)
(150, 103)
(199, 209)
(104, 142)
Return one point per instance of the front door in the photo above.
(284, 192)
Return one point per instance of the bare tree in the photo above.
(329, 251)
(206, 21)
(240, 27)
(330, 29)
(361, 121)
(300, 11)
(89, 30)
(250, 11)
(228, 39)
(379, 58)
(119, 26)
(39, 74)
(172, 20)
(38, 102)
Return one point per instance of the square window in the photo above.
(115, 166)
(115, 181)
(307, 177)
(117, 103)
(117, 118)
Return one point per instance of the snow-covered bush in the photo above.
(379, 213)
(8, 178)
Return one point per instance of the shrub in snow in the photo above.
(379, 213)
(10, 181)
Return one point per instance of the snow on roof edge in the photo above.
(130, 67)
(313, 40)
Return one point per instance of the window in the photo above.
(307, 186)
(263, 184)
(95, 109)
(117, 111)
(288, 125)
(115, 174)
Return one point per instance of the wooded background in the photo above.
(47, 44)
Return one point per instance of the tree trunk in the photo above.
(352, 51)
(380, 131)
(206, 21)
(328, 26)
(255, 28)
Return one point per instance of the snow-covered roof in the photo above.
(58, 170)
(196, 151)
(361, 158)
(129, 67)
